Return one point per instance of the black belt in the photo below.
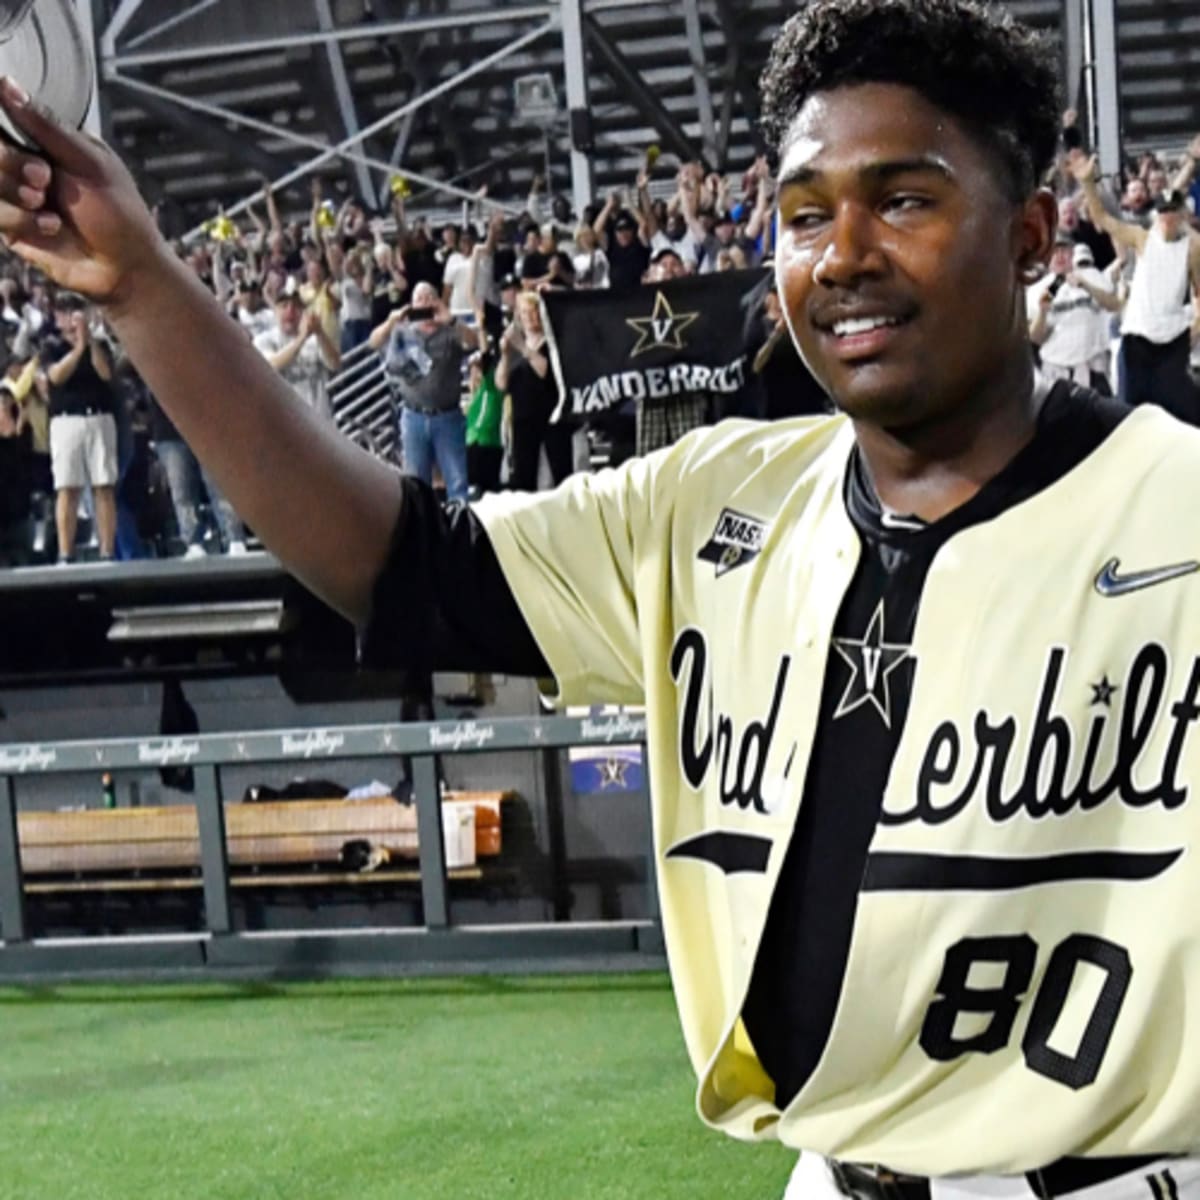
(429, 412)
(1059, 1179)
(877, 1183)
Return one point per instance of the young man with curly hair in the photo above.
(921, 677)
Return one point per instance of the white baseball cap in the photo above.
(43, 48)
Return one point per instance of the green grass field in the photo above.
(498, 1088)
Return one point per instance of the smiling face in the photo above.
(900, 255)
(529, 313)
(289, 310)
(1136, 196)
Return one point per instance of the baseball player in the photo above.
(922, 678)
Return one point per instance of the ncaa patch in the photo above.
(737, 540)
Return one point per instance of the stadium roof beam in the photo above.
(478, 67)
(638, 94)
(704, 104)
(415, 66)
(582, 136)
(125, 12)
(1101, 25)
(279, 132)
(1073, 53)
(343, 150)
(339, 82)
(148, 35)
(210, 132)
(403, 134)
(367, 31)
(740, 77)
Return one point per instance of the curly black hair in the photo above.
(997, 77)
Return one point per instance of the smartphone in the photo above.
(1056, 286)
(421, 314)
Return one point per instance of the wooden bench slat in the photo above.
(259, 834)
(195, 883)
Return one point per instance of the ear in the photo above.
(1034, 228)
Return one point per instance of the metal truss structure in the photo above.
(205, 98)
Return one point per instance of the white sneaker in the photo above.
(237, 549)
(195, 550)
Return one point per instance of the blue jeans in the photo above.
(190, 485)
(441, 437)
(354, 333)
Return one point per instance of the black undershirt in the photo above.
(797, 979)
(442, 602)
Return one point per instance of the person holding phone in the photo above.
(1069, 312)
(78, 368)
(423, 347)
(524, 373)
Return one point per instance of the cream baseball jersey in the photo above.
(1024, 938)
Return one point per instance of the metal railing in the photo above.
(364, 409)
(439, 942)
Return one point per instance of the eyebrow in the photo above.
(877, 172)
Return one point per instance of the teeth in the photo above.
(862, 325)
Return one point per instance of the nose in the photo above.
(852, 252)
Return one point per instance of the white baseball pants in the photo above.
(1171, 1179)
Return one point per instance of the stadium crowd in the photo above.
(453, 312)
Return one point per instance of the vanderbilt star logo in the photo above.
(613, 773)
(662, 330)
(1102, 692)
(871, 661)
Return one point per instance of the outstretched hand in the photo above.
(1085, 168)
(72, 210)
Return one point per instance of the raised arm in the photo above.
(510, 350)
(381, 334)
(1085, 170)
(272, 207)
(647, 221)
(63, 369)
(689, 199)
(314, 217)
(533, 203)
(1039, 324)
(260, 228)
(760, 218)
(325, 507)
(222, 284)
(1187, 169)
(600, 225)
(1108, 300)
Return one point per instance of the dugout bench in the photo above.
(219, 848)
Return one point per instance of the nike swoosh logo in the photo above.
(1109, 583)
